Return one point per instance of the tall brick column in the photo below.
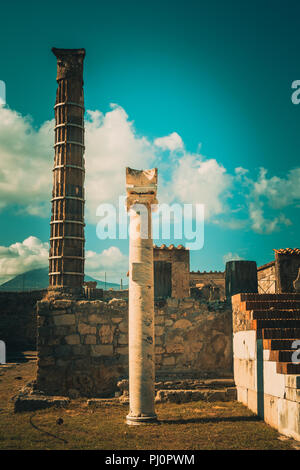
(66, 257)
(141, 194)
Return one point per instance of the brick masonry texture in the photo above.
(83, 345)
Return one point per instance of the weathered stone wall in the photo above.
(18, 319)
(115, 294)
(286, 266)
(212, 277)
(207, 285)
(180, 260)
(83, 345)
(193, 336)
(266, 278)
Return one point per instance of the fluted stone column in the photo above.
(141, 194)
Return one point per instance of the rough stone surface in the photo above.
(33, 403)
(184, 396)
(179, 274)
(89, 353)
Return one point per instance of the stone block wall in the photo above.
(115, 294)
(83, 345)
(179, 258)
(193, 337)
(287, 265)
(213, 277)
(266, 278)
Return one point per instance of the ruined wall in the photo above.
(212, 277)
(115, 294)
(207, 285)
(193, 337)
(18, 319)
(266, 278)
(83, 345)
(286, 268)
(179, 258)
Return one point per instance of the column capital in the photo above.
(141, 187)
(69, 63)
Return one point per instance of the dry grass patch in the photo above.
(197, 425)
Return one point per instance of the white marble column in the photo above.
(141, 189)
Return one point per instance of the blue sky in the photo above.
(218, 74)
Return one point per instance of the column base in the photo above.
(72, 293)
(138, 420)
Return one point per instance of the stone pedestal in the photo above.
(141, 194)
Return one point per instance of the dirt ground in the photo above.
(189, 426)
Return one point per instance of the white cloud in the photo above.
(240, 171)
(260, 224)
(26, 161)
(111, 261)
(21, 257)
(203, 181)
(280, 192)
(170, 142)
(112, 143)
(265, 195)
(231, 257)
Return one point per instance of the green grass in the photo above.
(194, 426)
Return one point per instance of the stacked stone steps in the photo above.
(279, 333)
(281, 355)
(270, 297)
(276, 319)
(287, 368)
(273, 314)
(268, 304)
(278, 344)
(267, 324)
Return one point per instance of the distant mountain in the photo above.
(38, 279)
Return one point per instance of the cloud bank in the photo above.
(233, 201)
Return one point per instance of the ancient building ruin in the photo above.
(287, 264)
(84, 348)
(171, 271)
(279, 275)
(267, 278)
(209, 285)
